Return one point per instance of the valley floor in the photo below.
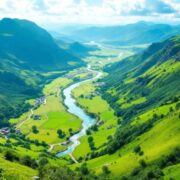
(49, 126)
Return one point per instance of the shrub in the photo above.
(11, 156)
(142, 163)
(35, 130)
(137, 149)
(28, 161)
(105, 170)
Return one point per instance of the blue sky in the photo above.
(49, 12)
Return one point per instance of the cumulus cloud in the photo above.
(90, 11)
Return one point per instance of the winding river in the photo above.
(72, 107)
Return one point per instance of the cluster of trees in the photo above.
(22, 141)
(61, 134)
(25, 160)
(35, 129)
(92, 128)
(138, 150)
(126, 134)
(91, 143)
(7, 111)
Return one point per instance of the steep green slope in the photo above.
(144, 91)
(145, 80)
(28, 55)
(32, 46)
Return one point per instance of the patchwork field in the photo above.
(53, 116)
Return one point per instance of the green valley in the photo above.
(93, 103)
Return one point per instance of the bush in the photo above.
(142, 163)
(61, 134)
(28, 161)
(105, 170)
(56, 173)
(35, 130)
(137, 149)
(83, 169)
(11, 156)
(43, 161)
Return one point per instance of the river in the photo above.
(73, 108)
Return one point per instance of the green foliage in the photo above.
(11, 156)
(105, 170)
(35, 130)
(50, 172)
(61, 134)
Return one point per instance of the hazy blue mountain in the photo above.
(138, 33)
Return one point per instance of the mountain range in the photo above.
(138, 33)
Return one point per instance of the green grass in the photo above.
(99, 107)
(152, 142)
(149, 114)
(15, 171)
(53, 115)
(172, 172)
(134, 102)
(58, 148)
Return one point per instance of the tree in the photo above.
(91, 143)
(83, 169)
(61, 134)
(105, 170)
(137, 149)
(28, 161)
(52, 172)
(35, 130)
(142, 163)
(10, 156)
(71, 131)
(90, 139)
(43, 161)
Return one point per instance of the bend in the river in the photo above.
(73, 108)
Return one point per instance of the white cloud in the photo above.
(91, 11)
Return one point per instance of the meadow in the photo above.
(93, 103)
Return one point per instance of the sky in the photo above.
(51, 12)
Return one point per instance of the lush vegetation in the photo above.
(136, 105)
(27, 53)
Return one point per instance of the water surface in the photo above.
(73, 108)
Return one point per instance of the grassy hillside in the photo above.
(143, 90)
(32, 46)
(145, 80)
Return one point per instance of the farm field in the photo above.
(53, 115)
(92, 103)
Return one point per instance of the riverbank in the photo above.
(73, 108)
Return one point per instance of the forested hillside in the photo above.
(145, 80)
(27, 52)
(144, 92)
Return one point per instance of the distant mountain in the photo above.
(32, 46)
(138, 33)
(152, 75)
